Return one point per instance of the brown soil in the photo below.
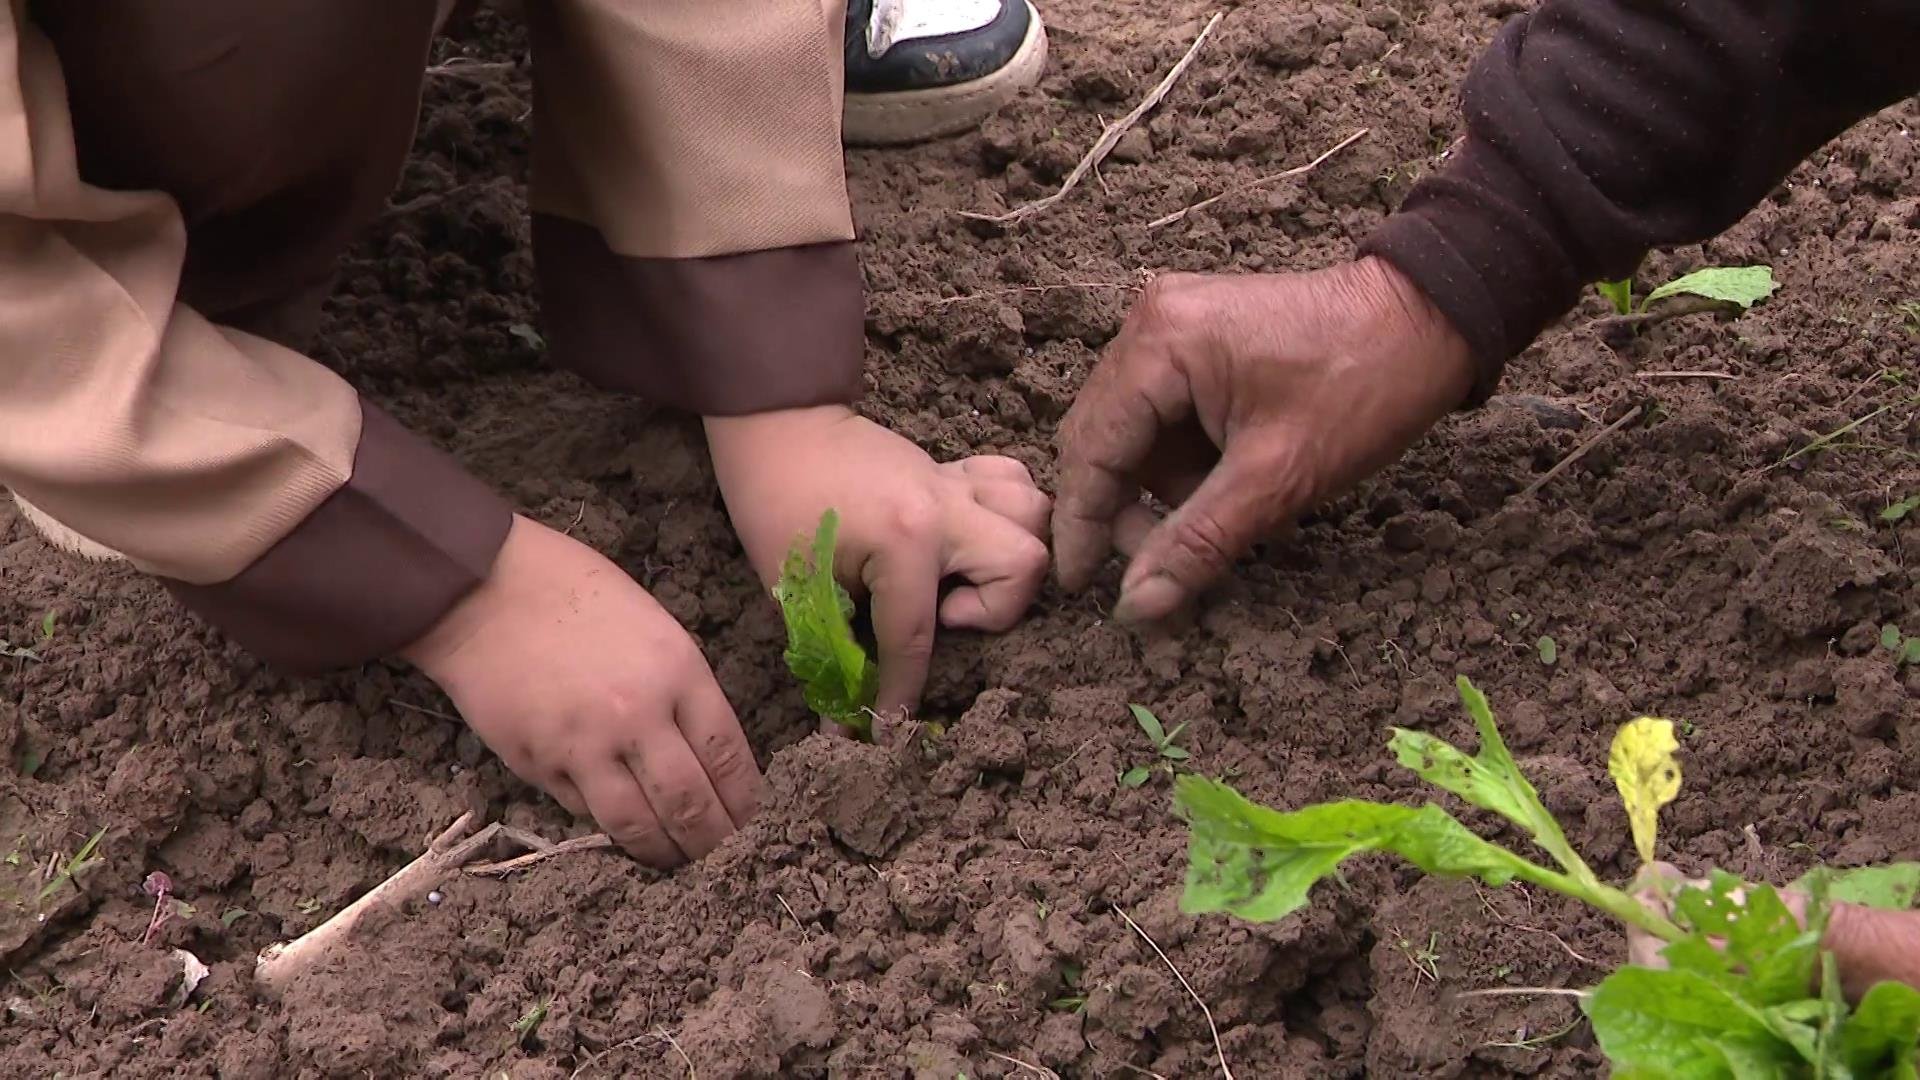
(920, 912)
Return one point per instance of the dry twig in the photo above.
(1297, 170)
(534, 858)
(652, 1036)
(423, 710)
(1567, 462)
(1678, 308)
(1686, 375)
(1040, 1071)
(1109, 138)
(280, 962)
(1218, 1047)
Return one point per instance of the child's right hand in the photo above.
(584, 685)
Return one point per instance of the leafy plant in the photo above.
(1170, 753)
(1897, 512)
(1734, 999)
(1906, 650)
(1741, 286)
(836, 676)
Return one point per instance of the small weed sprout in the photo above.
(1898, 512)
(1905, 650)
(525, 1028)
(72, 868)
(1549, 650)
(1169, 752)
(48, 624)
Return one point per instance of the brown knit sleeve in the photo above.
(1598, 130)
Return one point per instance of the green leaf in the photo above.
(1549, 650)
(1259, 864)
(1897, 513)
(47, 625)
(836, 676)
(1490, 781)
(1149, 723)
(30, 762)
(1135, 776)
(231, 916)
(1757, 949)
(1890, 638)
(1910, 651)
(1174, 753)
(1893, 886)
(1619, 294)
(1880, 1038)
(1682, 1026)
(528, 335)
(1744, 286)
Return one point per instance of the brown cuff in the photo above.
(373, 568)
(720, 336)
(1476, 242)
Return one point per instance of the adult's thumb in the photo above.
(1199, 542)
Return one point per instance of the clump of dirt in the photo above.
(947, 902)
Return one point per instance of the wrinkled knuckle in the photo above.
(683, 811)
(1172, 302)
(1204, 542)
(727, 759)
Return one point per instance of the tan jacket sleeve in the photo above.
(691, 223)
(247, 474)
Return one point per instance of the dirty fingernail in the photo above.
(1152, 599)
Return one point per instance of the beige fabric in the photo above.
(691, 128)
(123, 414)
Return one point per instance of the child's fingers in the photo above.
(619, 806)
(682, 797)
(904, 581)
(712, 730)
(1018, 502)
(1004, 565)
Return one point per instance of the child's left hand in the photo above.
(907, 522)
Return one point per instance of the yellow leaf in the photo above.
(1643, 767)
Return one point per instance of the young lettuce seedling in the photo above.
(1737, 997)
(1741, 286)
(836, 676)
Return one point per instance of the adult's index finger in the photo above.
(1107, 435)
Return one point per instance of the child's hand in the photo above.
(907, 522)
(585, 686)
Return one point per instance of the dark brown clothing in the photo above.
(1600, 129)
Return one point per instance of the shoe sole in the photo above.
(910, 116)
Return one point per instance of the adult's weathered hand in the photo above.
(1244, 400)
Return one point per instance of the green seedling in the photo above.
(836, 676)
(1549, 650)
(525, 1028)
(1897, 512)
(1910, 313)
(32, 652)
(231, 916)
(1170, 752)
(1741, 286)
(1735, 998)
(72, 868)
(1905, 650)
